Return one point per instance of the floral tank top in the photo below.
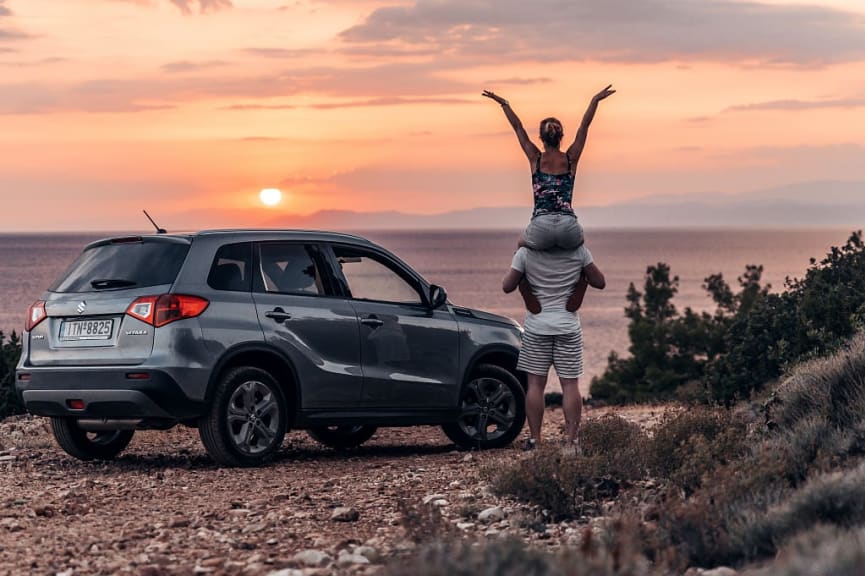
(553, 192)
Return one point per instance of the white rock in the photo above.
(343, 514)
(368, 552)
(720, 571)
(286, 572)
(465, 525)
(433, 498)
(349, 559)
(490, 515)
(313, 558)
(440, 502)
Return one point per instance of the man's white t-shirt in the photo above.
(553, 275)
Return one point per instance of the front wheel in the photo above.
(85, 445)
(342, 437)
(246, 421)
(492, 410)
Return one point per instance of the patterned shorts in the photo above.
(564, 351)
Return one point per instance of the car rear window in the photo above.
(124, 264)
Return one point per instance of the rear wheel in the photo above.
(492, 410)
(342, 437)
(247, 418)
(85, 445)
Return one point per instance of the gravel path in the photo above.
(163, 507)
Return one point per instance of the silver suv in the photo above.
(245, 334)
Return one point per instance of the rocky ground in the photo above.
(164, 508)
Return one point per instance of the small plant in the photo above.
(615, 551)
(423, 523)
(570, 486)
(10, 352)
(689, 444)
(821, 550)
(553, 399)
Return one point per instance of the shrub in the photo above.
(10, 352)
(687, 445)
(423, 523)
(615, 553)
(836, 499)
(821, 550)
(750, 340)
(570, 486)
(553, 399)
(831, 388)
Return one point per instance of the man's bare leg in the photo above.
(572, 404)
(535, 404)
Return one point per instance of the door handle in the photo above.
(372, 322)
(278, 315)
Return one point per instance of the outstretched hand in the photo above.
(605, 93)
(494, 96)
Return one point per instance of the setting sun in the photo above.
(270, 196)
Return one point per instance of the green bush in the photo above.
(750, 340)
(10, 352)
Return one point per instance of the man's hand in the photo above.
(532, 303)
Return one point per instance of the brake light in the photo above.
(35, 314)
(161, 310)
(143, 308)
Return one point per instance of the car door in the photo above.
(301, 315)
(409, 352)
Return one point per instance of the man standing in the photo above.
(553, 335)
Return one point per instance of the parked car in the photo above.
(246, 334)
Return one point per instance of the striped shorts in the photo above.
(564, 351)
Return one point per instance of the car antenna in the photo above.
(158, 229)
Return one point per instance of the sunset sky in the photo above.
(190, 107)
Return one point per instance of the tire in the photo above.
(493, 397)
(246, 420)
(84, 445)
(342, 437)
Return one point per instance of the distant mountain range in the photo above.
(826, 204)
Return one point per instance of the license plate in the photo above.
(86, 329)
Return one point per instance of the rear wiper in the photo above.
(112, 283)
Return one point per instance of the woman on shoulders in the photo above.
(554, 223)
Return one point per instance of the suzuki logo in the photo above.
(82, 306)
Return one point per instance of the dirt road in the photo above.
(164, 508)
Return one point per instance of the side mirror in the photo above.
(438, 297)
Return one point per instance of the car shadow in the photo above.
(130, 462)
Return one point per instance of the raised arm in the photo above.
(576, 149)
(527, 145)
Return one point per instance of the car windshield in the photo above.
(124, 264)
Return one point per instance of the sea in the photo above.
(470, 266)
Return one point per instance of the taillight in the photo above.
(161, 310)
(35, 315)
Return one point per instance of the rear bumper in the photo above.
(105, 393)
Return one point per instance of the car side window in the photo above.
(289, 268)
(232, 267)
(369, 277)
